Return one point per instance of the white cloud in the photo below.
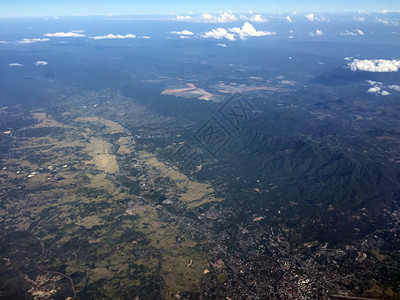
(289, 19)
(112, 36)
(222, 18)
(316, 33)
(394, 87)
(31, 41)
(352, 33)
(346, 33)
(383, 21)
(311, 17)
(224, 45)
(290, 37)
(65, 34)
(183, 32)
(347, 58)
(219, 33)
(248, 30)
(15, 65)
(377, 88)
(209, 18)
(4, 42)
(254, 18)
(375, 65)
(41, 63)
(258, 19)
(371, 82)
(386, 11)
(146, 37)
(388, 22)
(183, 18)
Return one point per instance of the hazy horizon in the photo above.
(21, 8)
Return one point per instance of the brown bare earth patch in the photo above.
(191, 91)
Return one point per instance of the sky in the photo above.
(32, 8)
